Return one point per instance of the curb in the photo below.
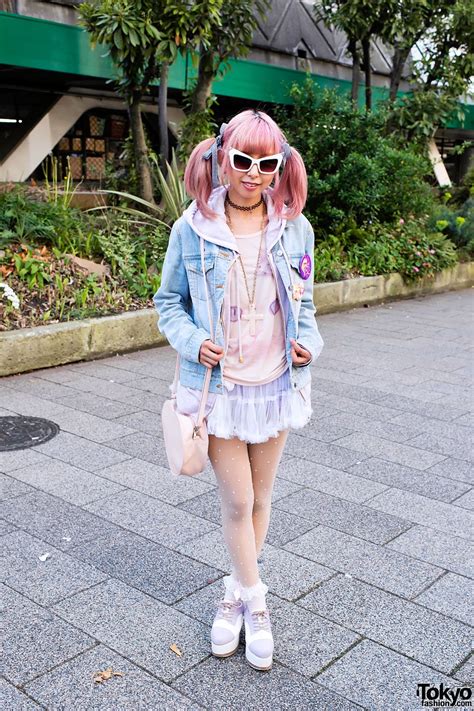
(56, 344)
(349, 293)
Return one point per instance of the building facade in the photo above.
(56, 96)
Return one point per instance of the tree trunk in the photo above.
(163, 115)
(355, 71)
(140, 152)
(398, 61)
(203, 88)
(368, 75)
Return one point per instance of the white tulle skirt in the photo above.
(253, 413)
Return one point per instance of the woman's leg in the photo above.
(230, 461)
(264, 460)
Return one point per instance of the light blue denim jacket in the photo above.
(181, 299)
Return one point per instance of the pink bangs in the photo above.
(256, 133)
(253, 133)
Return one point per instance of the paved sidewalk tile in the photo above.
(453, 595)
(96, 429)
(155, 480)
(81, 452)
(466, 501)
(235, 686)
(357, 675)
(444, 446)
(367, 561)
(100, 406)
(138, 627)
(71, 686)
(35, 639)
(11, 487)
(356, 519)
(145, 565)
(402, 453)
(16, 700)
(151, 518)
(15, 459)
(328, 454)
(395, 475)
(425, 511)
(330, 481)
(43, 579)
(144, 446)
(466, 672)
(6, 527)
(454, 469)
(436, 547)
(54, 520)
(69, 483)
(404, 626)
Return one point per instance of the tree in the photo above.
(132, 38)
(360, 20)
(441, 74)
(183, 24)
(231, 37)
(143, 38)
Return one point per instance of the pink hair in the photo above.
(257, 133)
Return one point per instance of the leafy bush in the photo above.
(39, 239)
(409, 248)
(30, 219)
(457, 224)
(354, 169)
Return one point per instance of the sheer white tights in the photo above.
(245, 475)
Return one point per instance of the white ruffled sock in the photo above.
(254, 596)
(232, 588)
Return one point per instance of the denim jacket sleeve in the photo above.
(171, 300)
(308, 332)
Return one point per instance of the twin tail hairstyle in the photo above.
(252, 132)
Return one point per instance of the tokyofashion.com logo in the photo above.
(440, 695)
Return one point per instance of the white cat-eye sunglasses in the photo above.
(268, 165)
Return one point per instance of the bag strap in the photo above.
(207, 378)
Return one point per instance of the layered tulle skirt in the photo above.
(253, 413)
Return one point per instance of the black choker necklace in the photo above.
(246, 208)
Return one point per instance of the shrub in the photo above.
(407, 247)
(354, 169)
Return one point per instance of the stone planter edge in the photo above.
(46, 346)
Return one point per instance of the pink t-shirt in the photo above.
(260, 340)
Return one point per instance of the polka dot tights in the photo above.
(245, 475)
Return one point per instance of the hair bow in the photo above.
(211, 154)
(286, 151)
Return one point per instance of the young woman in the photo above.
(249, 187)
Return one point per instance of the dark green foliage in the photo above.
(352, 166)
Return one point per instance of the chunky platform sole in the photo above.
(258, 662)
(224, 650)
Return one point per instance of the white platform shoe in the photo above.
(228, 621)
(258, 630)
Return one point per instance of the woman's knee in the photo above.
(237, 508)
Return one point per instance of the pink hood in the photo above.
(217, 231)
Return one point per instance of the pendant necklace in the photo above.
(253, 316)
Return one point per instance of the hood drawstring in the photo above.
(287, 261)
(241, 358)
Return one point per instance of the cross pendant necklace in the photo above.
(252, 317)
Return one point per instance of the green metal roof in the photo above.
(51, 46)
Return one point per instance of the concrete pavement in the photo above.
(368, 559)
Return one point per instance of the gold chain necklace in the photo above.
(252, 306)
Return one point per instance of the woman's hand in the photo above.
(299, 355)
(210, 353)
